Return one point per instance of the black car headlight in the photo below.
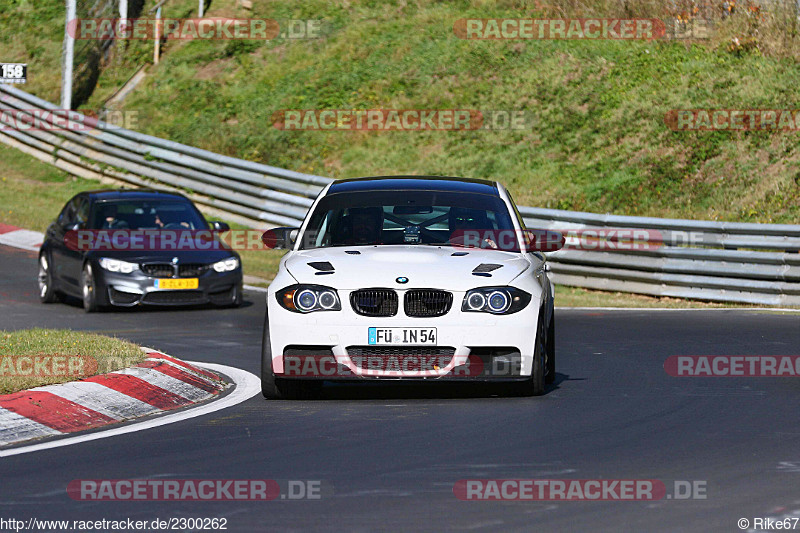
(495, 300)
(309, 298)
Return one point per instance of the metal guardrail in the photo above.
(720, 261)
(253, 191)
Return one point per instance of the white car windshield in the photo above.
(405, 218)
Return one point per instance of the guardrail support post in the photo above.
(123, 22)
(157, 49)
(68, 57)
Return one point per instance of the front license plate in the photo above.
(399, 336)
(185, 283)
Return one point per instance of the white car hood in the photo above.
(429, 267)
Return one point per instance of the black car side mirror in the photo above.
(280, 238)
(216, 225)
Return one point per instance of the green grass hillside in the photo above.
(597, 140)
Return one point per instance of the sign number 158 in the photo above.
(13, 71)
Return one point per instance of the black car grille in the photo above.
(190, 270)
(158, 270)
(182, 297)
(427, 302)
(403, 358)
(167, 270)
(374, 302)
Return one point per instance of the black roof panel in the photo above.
(421, 183)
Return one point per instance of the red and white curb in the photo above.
(160, 383)
(21, 238)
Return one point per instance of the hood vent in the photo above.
(324, 266)
(487, 267)
(352, 252)
(459, 254)
(484, 268)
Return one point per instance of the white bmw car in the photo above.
(410, 278)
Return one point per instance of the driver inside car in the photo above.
(168, 220)
(466, 224)
(110, 220)
(361, 225)
(367, 224)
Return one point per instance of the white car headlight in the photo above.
(226, 265)
(115, 265)
(495, 300)
(308, 298)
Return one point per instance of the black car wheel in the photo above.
(47, 291)
(88, 290)
(535, 384)
(236, 296)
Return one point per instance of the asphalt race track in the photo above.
(389, 456)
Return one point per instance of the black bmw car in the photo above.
(137, 247)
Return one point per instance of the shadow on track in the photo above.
(394, 390)
(149, 308)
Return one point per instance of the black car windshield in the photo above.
(146, 214)
(410, 218)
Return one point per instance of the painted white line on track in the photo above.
(254, 288)
(247, 386)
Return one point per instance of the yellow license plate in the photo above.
(186, 283)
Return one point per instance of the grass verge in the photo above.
(35, 357)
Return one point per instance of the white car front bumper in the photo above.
(338, 335)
